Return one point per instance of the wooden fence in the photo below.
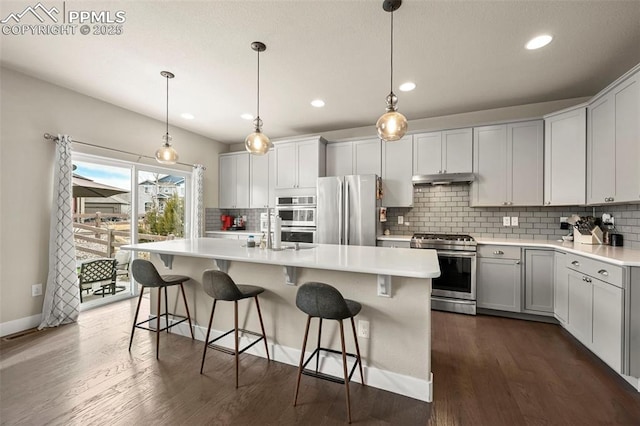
(97, 239)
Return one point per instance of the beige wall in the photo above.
(30, 107)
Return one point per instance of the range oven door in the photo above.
(457, 275)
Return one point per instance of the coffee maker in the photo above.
(227, 221)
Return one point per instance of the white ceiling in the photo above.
(463, 56)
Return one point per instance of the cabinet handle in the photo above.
(509, 203)
(603, 272)
(439, 171)
(497, 252)
(444, 171)
(611, 199)
(587, 279)
(575, 263)
(517, 262)
(504, 203)
(548, 202)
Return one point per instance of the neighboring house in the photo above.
(153, 192)
(114, 204)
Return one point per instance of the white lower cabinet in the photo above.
(561, 289)
(608, 323)
(499, 284)
(580, 307)
(596, 310)
(538, 281)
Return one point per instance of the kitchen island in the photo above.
(393, 285)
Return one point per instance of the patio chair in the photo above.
(100, 272)
(123, 258)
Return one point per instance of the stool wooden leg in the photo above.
(344, 368)
(235, 325)
(264, 335)
(206, 339)
(359, 360)
(166, 309)
(158, 323)
(135, 318)
(304, 346)
(186, 307)
(318, 346)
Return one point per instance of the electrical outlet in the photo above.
(563, 222)
(363, 329)
(400, 220)
(36, 290)
(506, 221)
(407, 224)
(514, 220)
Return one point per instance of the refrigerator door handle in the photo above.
(347, 201)
(340, 212)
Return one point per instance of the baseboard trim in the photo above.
(329, 364)
(21, 324)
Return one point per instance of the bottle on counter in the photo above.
(251, 242)
(263, 241)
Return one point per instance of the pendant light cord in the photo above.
(258, 100)
(167, 77)
(391, 51)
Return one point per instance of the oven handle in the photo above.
(457, 253)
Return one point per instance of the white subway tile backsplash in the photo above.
(446, 209)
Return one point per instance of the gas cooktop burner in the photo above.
(443, 241)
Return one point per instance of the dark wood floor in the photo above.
(488, 371)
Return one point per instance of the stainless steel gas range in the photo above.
(455, 289)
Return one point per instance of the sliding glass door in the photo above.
(117, 203)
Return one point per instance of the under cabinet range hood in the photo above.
(442, 178)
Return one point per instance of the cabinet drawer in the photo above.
(499, 252)
(394, 244)
(606, 272)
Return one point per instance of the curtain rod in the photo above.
(51, 137)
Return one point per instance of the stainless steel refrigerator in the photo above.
(347, 210)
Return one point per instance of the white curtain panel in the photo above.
(197, 220)
(62, 298)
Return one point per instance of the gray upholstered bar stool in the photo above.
(221, 286)
(147, 276)
(322, 301)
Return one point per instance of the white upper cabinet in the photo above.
(262, 180)
(397, 172)
(449, 151)
(354, 158)
(565, 141)
(340, 159)
(613, 143)
(508, 163)
(299, 163)
(367, 157)
(233, 191)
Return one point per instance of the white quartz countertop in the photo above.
(622, 256)
(406, 238)
(616, 255)
(363, 259)
(245, 232)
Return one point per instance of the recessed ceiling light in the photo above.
(538, 42)
(408, 86)
(187, 116)
(318, 103)
(246, 116)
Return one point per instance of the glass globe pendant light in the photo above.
(257, 143)
(391, 125)
(166, 154)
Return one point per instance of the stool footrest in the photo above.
(226, 350)
(329, 377)
(172, 318)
